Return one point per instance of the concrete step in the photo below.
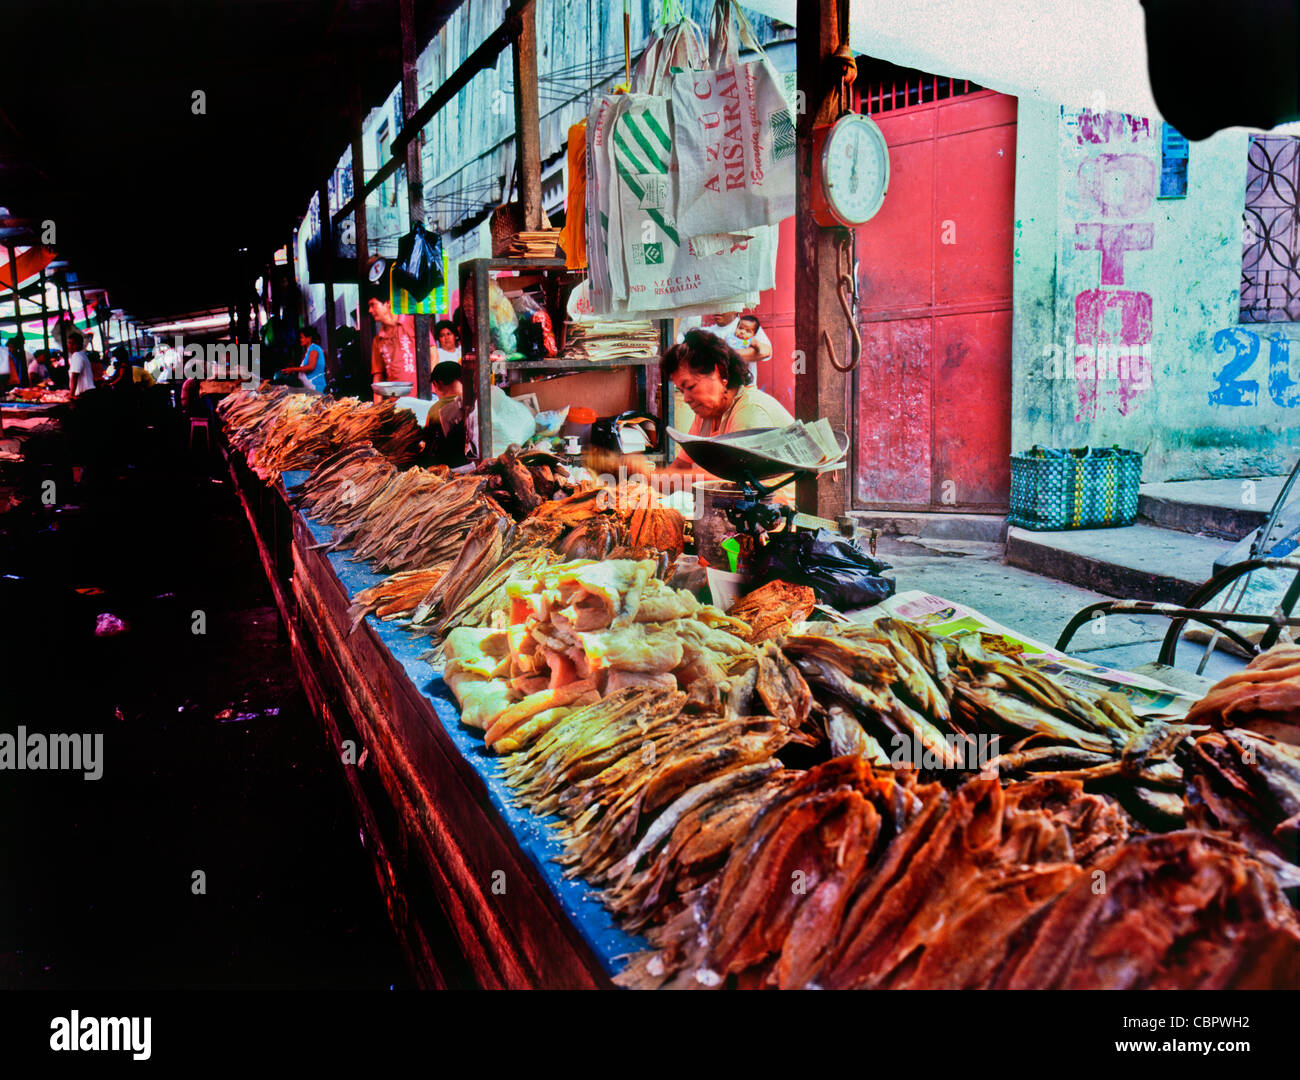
(1230, 508)
(1139, 562)
(989, 528)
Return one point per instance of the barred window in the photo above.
(1270, 276)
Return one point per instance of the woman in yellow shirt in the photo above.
(715, 382)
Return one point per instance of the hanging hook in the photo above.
(847, 289)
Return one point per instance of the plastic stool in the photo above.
(196, 423)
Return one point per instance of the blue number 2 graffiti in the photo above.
(1234, 390)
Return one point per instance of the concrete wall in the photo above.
(1102, 260)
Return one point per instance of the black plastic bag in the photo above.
(418, 268)
(841, 574)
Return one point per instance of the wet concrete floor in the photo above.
(219, 848)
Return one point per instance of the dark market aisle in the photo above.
(212, 761)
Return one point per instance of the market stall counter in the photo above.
(459, 865)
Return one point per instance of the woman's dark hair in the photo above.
(705, 354)
(311, 334)
(438, 328)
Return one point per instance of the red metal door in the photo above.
(934, 383)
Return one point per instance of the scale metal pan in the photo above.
(718, 455)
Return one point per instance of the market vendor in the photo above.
(81, 374)
(444, 426)
(448, 342)
(392, 355)
(717, 386)
(38, 371)
(312, 369)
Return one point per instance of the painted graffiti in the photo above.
(1234, 389)
(1114, 189)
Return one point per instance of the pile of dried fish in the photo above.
(772, 609)
(251, 415)
(1247, 785)
(280, 430)
(418, 521)
(301, 439)
(344, 484)
(651, 792)
(523, 482)
(896, 695)
(1265, 697)
(397, 596)
(586, 627)
(415, 519)
(849, 877)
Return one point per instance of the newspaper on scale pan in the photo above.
(1149, 698)
(767, 451)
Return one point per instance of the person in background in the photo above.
(445, 381)
(716, 385)
(19, 357)
(444, 426)
(8, 369)
(312, 369)
(191, 400)
(448, 342)
(124, 363)
(38, 370)
(81, 374)
(58, 365)
(750, 343)
(392, 354)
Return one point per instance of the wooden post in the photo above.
(45, 319)
(327, 260)
(819, 390)
(528, 137)
(67, 302)
(18, 317)
(414, 182)
(291, 291)
(58, 320)
(364, 325)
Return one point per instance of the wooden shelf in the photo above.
(559, 363)
(474, 277)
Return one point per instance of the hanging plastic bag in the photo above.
(637, 261)
(663, 267)
(418, 268)
(841, 574)
(733, 132)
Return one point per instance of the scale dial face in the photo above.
(855, 169)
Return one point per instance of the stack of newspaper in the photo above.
(608, 339)
(535, 244)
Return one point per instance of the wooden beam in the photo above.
(327, 261)
(528, 135)
(20, 361)
(414, 182)
(819, 390)
(485, 56)
(45, 318)
(364, 324)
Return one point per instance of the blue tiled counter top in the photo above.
(533, 833)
